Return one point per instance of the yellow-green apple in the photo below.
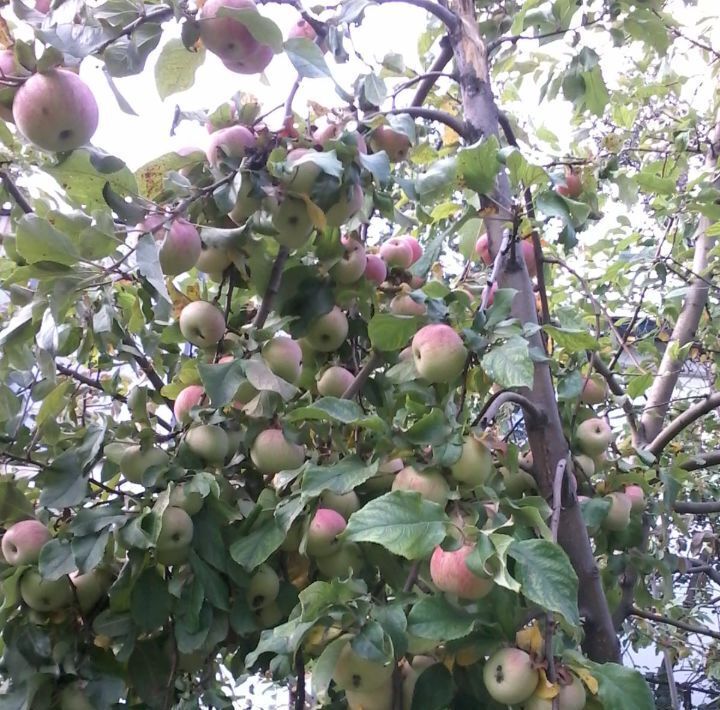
(510, 677)
(213, 260)
(271, 452)
(302, 171)
(570, 697)
(475, 465)
(230, 142)
(585, 464)
(334, 381)
(22, 542)
(292, 221)
(269, 616)
(55, 110)
(405, 305)
(73, 697)
(637, 497)
(189, 397)
(380, 698)
(45, 595)
(208, 442)
(450, 573)
(176, 533)
(9, 67)
(375, 269)
(482, 249)
(394, 143)
(355, 673)
(323, 530)
(618, 517)
(518, 483)
(383, 479)
(595, 390)
(284, 357)
(348, 204)
(593, 436)
(352, 263)
(415, 247)
(343, 561)
(180, 243)
(202, 323)
(264, 587)
(328, 332)
(439, 353)
(344, 503)
(396, 253)
(136, 460)
(429, 483)
(190, 501)
(90, 587)
(247, 201)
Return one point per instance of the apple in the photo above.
(334, 381)
(593, 436)
(394, 143)
(341, 563)
(136, 460)
(190, 501)
(90, 587)
(355, 673)
(475, 465)
(344, 503)
(302, 28)
(328, 332)
(213, 260)
(429, 483)
(618, 517)
(191, 396)
(376, 699)
(323, 530)
(528, 254)
(208, 442)
(284, 356)
(585, 464)
(180, 243)
(230, 39)
(45, 595)
(405, 305)
(439, 353)
(269, 616)
(22, 542)
(482, 249)
(396, 253)
(573, 186)
(415, 248)
(637, 498)
(509, 676)
(450, 573)
(230, 142)
(292, 221)
(375, 269)
(56, 110)
(325, 131)
(271, 452)
(264, 587)
(9, 67)
(73, 697)
(176, 533)
(202, 323)
(382, 480)
(595, 390)
(570, 697)
(302, 173)
(516, 484)
(410, 674)
(349, 203)
(352, 263)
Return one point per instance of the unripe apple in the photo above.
(482, 249)
(439, 353)
(375, 269)
(509, 676)
(394, 143)
(271, 452)
(208, 442)
(230, 142)
(284, 356)
(637, 498)
(415, 247)
(264, 587)
(618, 517)
(341, 563)
(450, 573)
(176, 533)
(355, 673)
(383, 479)
(180, 243)
(246, 202)
(352, 263)
(570, 697)
(45, 595)
(405, 305)
(302, 172)
(573, 186)
(230, 39)
(334, 381)
(190, 501)
(322, 533)
(292, 222)
(9, 67)
(396, 253)
(378, 698)
(593, 436)
(56, 110)
(187, 398)
(269, 616)
(328, 332)
(344, 503)
(73, 697)
(585, 464)
(136, 460)
(595, 390)
(90, 587)
(22, 542)
(349, 202)
(213, 260)
(430, 484)
(475, 465)
(202, 323)
(516, 484)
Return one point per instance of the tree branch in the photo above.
(442, 60)
(149, 371)
(711, 458)
(534, 417)
(363, 376)
(692, 628)
(272, 288)
(682, 421)
(697, 507)
(448, 18)
(158, 14)
(15, 193)
(615, 387)
(431, 114)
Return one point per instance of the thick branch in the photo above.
(711, 458)
(363, 376)
(442, 60)
(445, 16)
(682, 421)
(692, 628)
(273, 287)
(697, 508)
(432, 114)
(534, 416)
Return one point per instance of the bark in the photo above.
(547, 440)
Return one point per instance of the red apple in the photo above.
(450, 574)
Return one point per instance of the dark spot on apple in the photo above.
(499, 675)
(293, 220)
(175, 537)
(45, 111)
(65, 134)
(356, 681)
(257, 601)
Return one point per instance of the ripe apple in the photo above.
(341, 563)
(190, 501)
(344, 503)
(230, 39)
(595, 390)
(271, 452)
(637, 498)
(136, 460)
(509, 676)
(22, 542)
(56, 110)
(325, 131)
(396, 253)
(187, 398)
(439, 353)
(176, 533)
(355, 673)
(230, 142)
(284, 356)
(213, 260)
(328, 332)
(301, 28)
(322, 533)
(334, 381)
(352, 263)
(528, 254)
(415, 248)
(180, 243)
(292, 222)
(618, 517)
(264, 587)
(593, 436)
(405, 305)
(429, 483)
(208, 442)
(73, 697)
(573, 186)
(375, 269)
(202, 323)
(450, 573)
(394, 143)
(570, 697)
(90, 587)
(482, 249)
(45, 595)
(376, 699)
(350, 201)
(475, 465)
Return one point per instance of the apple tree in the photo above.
(404, 397)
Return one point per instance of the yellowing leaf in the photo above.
(317, 216)
(530, 639)
(545, 689)
(587, 678)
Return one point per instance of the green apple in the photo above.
(593, 436)
(334, 381)
(349, 202)
(429, 483)
(344, 503)
(618, 517)
(176, 533)
(213, 260)
(208, 442)
(264, 587)
(585, 464)
(91, 587)
(352, 263)
(475, 465)
(328, 332)
(355, 673)
(269, 616)
(450, 573)
(190, 501)
(410, 673)
(343, 562)
(271, 452)
(439, 353)
(202, 324)
(136, 460)
(284, 357)
(22, 542)
(73, 697)
(394, 143)
(380, 698)
(510, 677)
(292, 221)
(302, 171)
(595, 390)
(570, 697)
(45, 595)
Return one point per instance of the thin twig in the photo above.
(650, 616)
(291, 97)
(514, 39)
(147, 368)
(448, 18)
(156, 15)
(300, 689)
(363, 376)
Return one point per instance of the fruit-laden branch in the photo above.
(442, 60)
(272, 288)
(431, 114)
(363, 376)
(650, 616)
(615, 387)
(548, 443)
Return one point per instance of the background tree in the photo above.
(411, 398)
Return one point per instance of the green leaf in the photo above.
(150, 176)
(433, 429)
(389, 333)
(14, 506)
(434, 689)
(319, 598)
(574, 341)
(344, 411)
(436, 618)
(88, 551)
(307, 58)
(478, 165)
(56, 559)
(510, 365)
(54, 402)
(37, 240)
(402, 522)
(340, 478)
(640, 384)
(596, 93)
(253, 549)
(261, 377)
(148, 263)
(175, 68)
(150, 671)
(222, 381)
(262, 28)
(150, 601)
(214, 586)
